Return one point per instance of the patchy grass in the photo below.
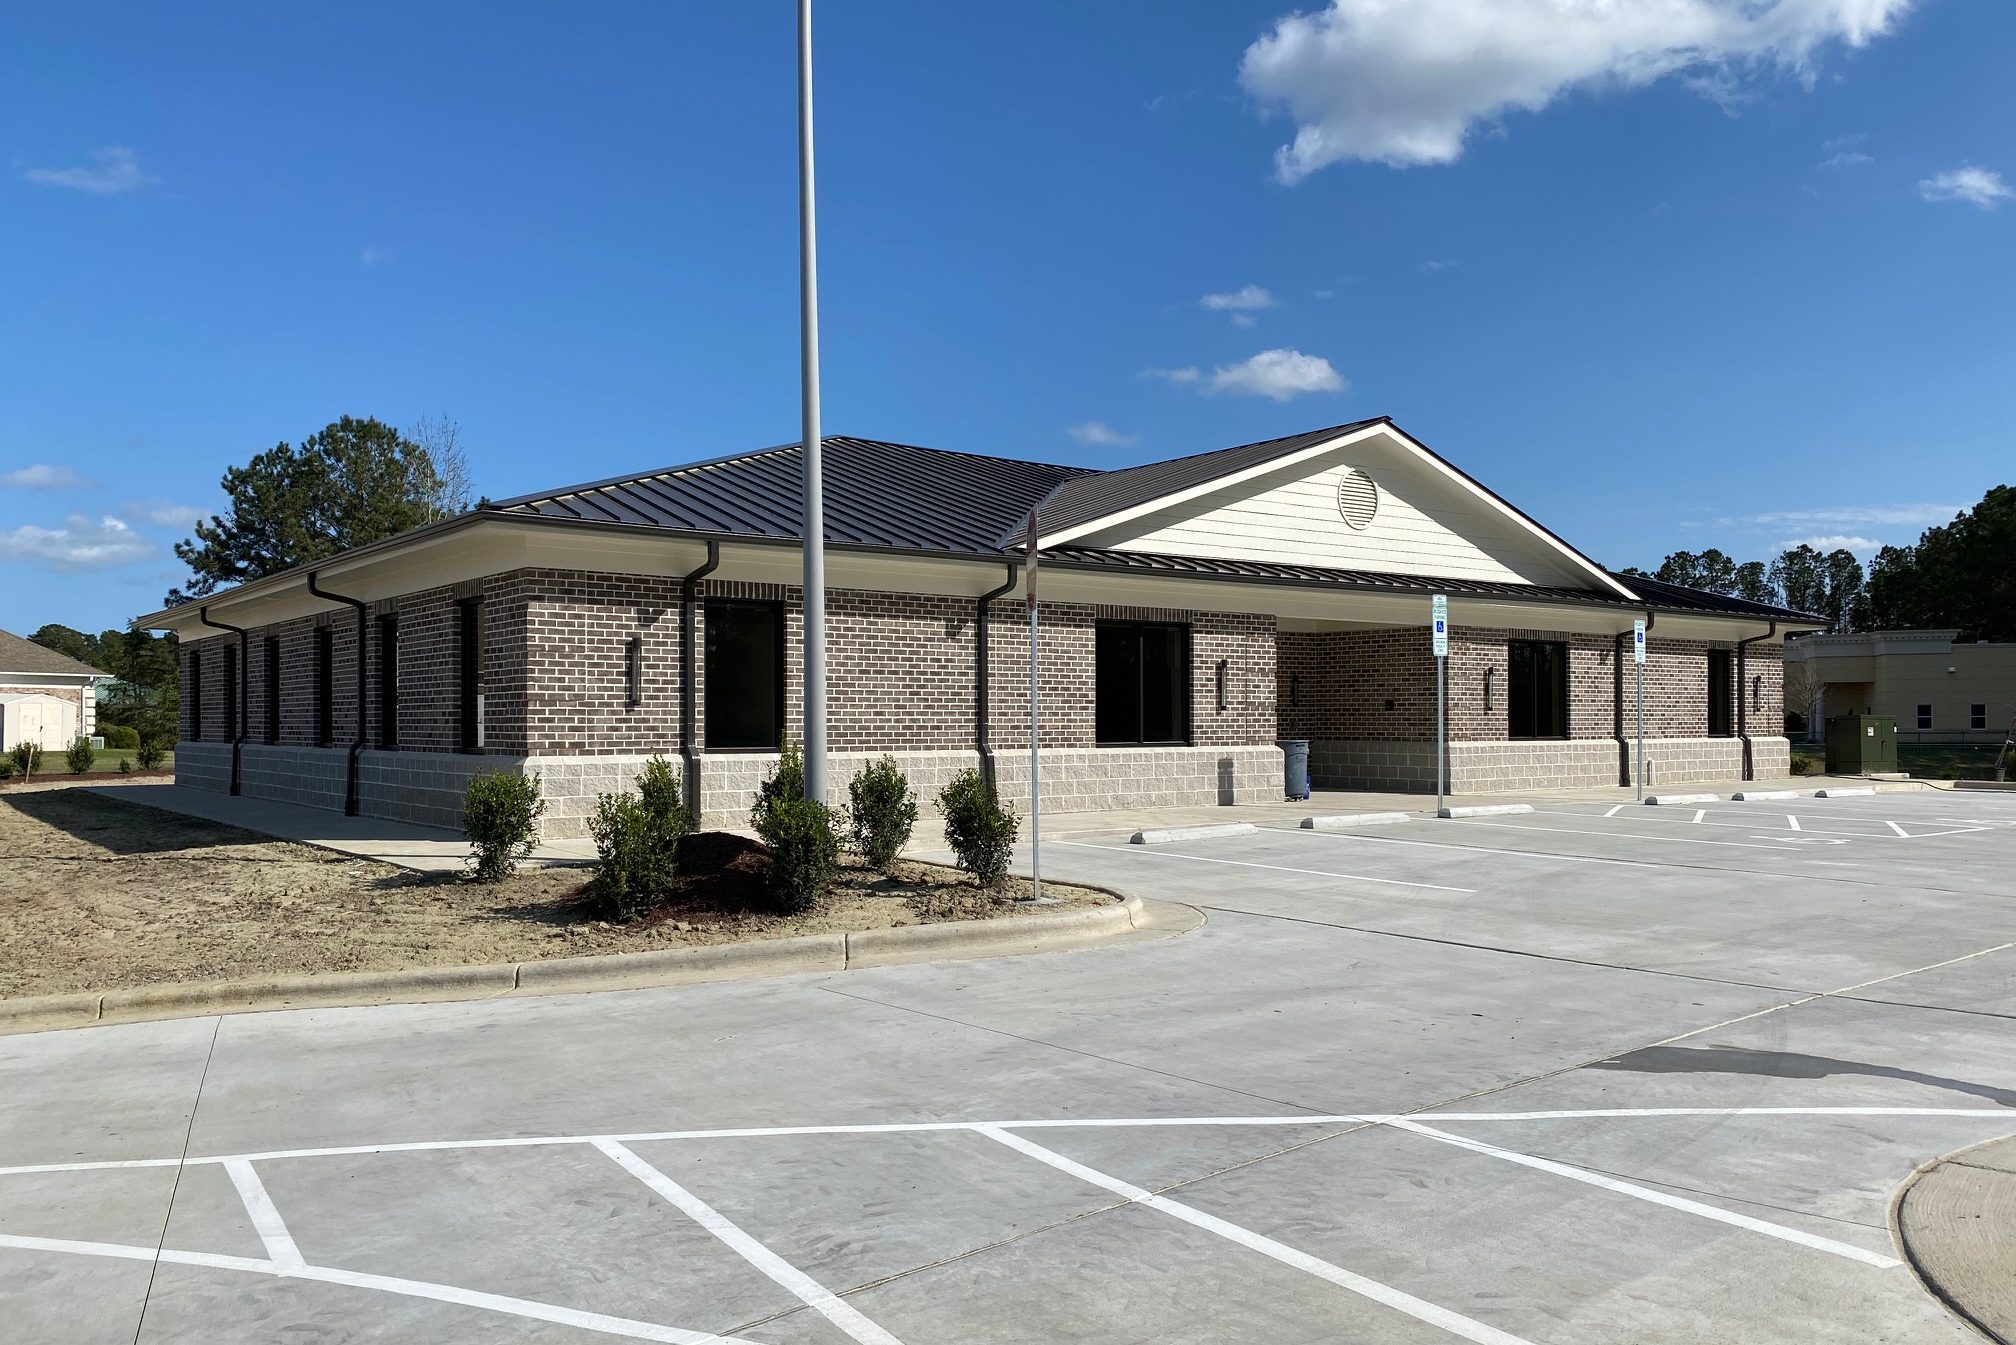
(1929, 761)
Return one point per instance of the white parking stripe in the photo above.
(1276, 868)
(1620, 835)
(266, 1220)
(389, 1284)
(1899, 830)
(1792, 821)
(807, 1290)
(1646, 1193)
(1453, 1322)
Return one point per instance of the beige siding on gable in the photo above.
(1423, 526)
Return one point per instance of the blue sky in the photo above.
(1673, 274)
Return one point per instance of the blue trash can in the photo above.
(1294, 766)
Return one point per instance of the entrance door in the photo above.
(1721, 685)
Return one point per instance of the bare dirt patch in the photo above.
(100, 894)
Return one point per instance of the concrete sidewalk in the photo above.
(1957, 1222)
(436, 850)
(427, 849)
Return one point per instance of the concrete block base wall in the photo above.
(1507, 767)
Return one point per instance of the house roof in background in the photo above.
(25, 656)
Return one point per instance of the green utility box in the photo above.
(1861, 744)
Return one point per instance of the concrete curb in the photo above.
(1985, 784)
(1043, 931)
(1342, 821)
(1486, 810)
(1164, 835)
(1844, 793)
(1954, 1222)
(1764, 795)
(1654, 800)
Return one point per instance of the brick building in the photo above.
(46, 698)
(1193, 612)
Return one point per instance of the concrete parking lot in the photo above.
(1595, 1073)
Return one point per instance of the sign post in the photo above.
(1439, 631)
(1638, 657)
(1035, 762)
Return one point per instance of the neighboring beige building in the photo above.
(1939, 690)
(46, 698)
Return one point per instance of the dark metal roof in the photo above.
(877, 494)
(1101, 493)
(1385, 581)
(1675, 598)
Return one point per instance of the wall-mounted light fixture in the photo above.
(1757, 692)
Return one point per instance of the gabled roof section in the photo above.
(877, 494)
(25, 656)
(1099, 495)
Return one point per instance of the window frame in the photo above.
(709, 609)
(470, 637)
(1515, 703)
(1721, 709)
(1186, 719)
(231, 707)
(196, 694)
(388, 682)
(1977, 716)
(1924, 719)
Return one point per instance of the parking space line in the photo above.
(1276, 868)
(1646, 1193)
(1475, 849)
(265, 1216)
(1792, 821)
(1615, 810)
(1899, 830)
(598, 1322)
(1619, 835)
(807, 1290)
(1420, 1309)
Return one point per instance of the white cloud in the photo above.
(80, 544)
(1976, 186)
(1279, 374)
(1847, 158)
(43, 476)
(112, 170)
(372, 255)
(1244, 320)
(1245, 299)
(1431, 267)
(166, 513)
(1858, 516)
(1188, 374)
(1099, 433)
(1834, 542)
(1406, 83)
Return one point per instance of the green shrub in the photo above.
(637, 841)
(785, 781)
(7, 767)
(500, 816)
(150, 754)
(881, 812)
(804, 853)
(80, 756)
(120, 737)
(1806, 763)
(980, 831)
(27, 758)
(125, 766)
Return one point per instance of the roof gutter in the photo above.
(357, 743)
(1742, 703)
(689, 750)
(243, 712)
(981, 695)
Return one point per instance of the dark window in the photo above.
(1977, 717)
(633, 672)
(196, 695)
(1924, 716)
(1141, 683)
(325, 686)
(1536, 689)
(388, 681)
(272, 689)
(469, 672)
(745, 676)
(1721, 716)
(230, 693)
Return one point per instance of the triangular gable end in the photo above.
(1370, 499)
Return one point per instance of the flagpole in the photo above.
(813, 528)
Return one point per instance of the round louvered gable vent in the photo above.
(1357, 499)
